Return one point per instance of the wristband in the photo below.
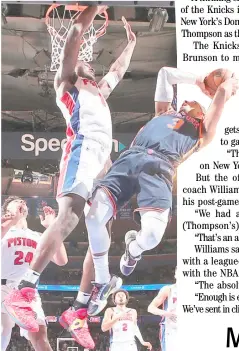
(112, 79)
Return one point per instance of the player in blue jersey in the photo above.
(146, 170)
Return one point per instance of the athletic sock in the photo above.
(29, 279)
(81, 300)
(101, 263)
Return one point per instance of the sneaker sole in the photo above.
(126, 270)
(117, 287)
(11, 313)
(129, 237)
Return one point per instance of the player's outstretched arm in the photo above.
(167, 77)
(120, 66)
(158, 301)
(224, 92)
(72, 45)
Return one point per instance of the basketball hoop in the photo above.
(59, 19)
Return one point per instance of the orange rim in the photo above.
(99, 32)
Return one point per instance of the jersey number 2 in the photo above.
(20, 259)
(125, 327)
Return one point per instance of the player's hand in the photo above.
(101, 9)
(120, 315)
(49, 216)
(130, 34)
(7, 217)
(171, 315)
(147, 344)
(200, 83)
(230, 86)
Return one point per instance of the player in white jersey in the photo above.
(88, 147)
(167, 298)
(121, 322)
(18, 246)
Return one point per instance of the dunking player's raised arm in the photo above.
(120, 66)
(69, 55)
(224, 92)
(167, 77)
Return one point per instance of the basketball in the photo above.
(215, 78)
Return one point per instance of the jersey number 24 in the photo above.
(21, 258)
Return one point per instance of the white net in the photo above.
(58, 25)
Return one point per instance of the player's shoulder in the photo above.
(34, 233)
(133, 312)
(109, 310)
(165, 290)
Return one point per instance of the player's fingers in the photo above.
(47, 209)
(126, 25)
(124, 20)
(6, 217)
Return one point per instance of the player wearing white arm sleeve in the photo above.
(18, 246)
(167, 78)
(121, 322)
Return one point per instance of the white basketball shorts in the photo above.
(82, 161)
(168, 338)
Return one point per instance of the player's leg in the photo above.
(88, 272)
(40, 340)
(6, 322)
(154, 201)
(80, 305)
(6, 330)
(70, 318)
(115, 189)
(101, 211)
(88, 276)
